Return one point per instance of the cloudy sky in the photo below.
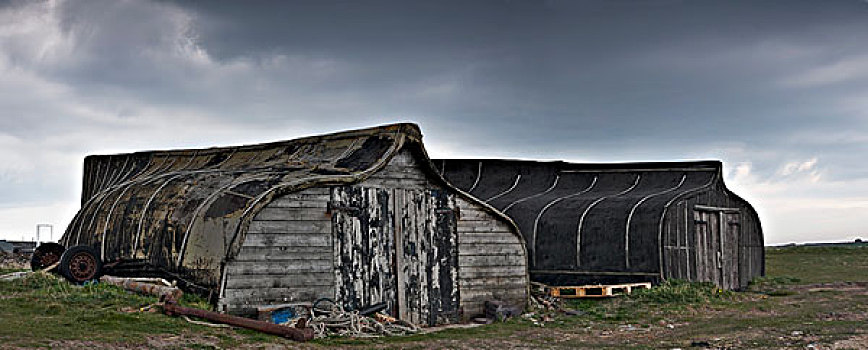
(778, 90)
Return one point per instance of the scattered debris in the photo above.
(299, 333)
(21, 274)
(165, 293)
(335, 321)
(500, 311)
(170, 295)
(283, 313)
(13, 275)
(541, 298)
(9, 260)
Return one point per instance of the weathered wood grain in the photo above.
(283, 253)
(284, 280)
(465, 237)
(266, 296)
(279, 267)
(286, 214)
(491, 249)
(290, 227)
(287, 240)
(490, 260)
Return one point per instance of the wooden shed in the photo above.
(360, 217)
(618, 223)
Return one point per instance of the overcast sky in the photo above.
(778, 90)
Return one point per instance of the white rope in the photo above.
(338, 322)
(203, 323)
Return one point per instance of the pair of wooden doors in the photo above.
(718, 234)
(399, 247)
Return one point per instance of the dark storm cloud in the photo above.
(665, 72)
(776, 89)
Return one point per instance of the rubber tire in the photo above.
(37, 261)
(70, 254)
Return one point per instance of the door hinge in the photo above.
(719, 260)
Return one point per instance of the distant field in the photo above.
(819, 264)
(812, 296)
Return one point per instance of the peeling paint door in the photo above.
(363, 233)
(398, 246)
(427, 256)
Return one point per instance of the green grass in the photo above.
(94, 312)
(678, 291)
(810, 264)
(791, 298)
(4, 271)
(64, 311)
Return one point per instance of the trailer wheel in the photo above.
(80, 264)
(45, 255)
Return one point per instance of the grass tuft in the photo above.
(682, 292)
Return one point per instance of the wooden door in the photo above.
(717, 233)
(707, 246)
(364, 247)
(427, 256)
(730, 227)
(398, 246)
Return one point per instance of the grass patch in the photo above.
(647, 306)
(775, 286)
(4, 271)
(97, 312)
(818, 264)
(682, 292)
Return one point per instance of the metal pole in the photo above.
(50, 232)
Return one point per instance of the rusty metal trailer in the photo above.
(361, 217)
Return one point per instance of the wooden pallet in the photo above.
(595, 291)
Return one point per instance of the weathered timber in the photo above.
(294, 226)
(648, 220)
(360, 217)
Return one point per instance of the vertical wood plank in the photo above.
(400, 215)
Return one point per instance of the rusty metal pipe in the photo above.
(297, 334)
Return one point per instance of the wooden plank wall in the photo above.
(290, 253)
(491, 259)
(691, 241)
(286, 257)
(426, 257)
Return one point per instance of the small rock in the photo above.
(483, 320)
(574, 313)
(628, 327)
(700, 343)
